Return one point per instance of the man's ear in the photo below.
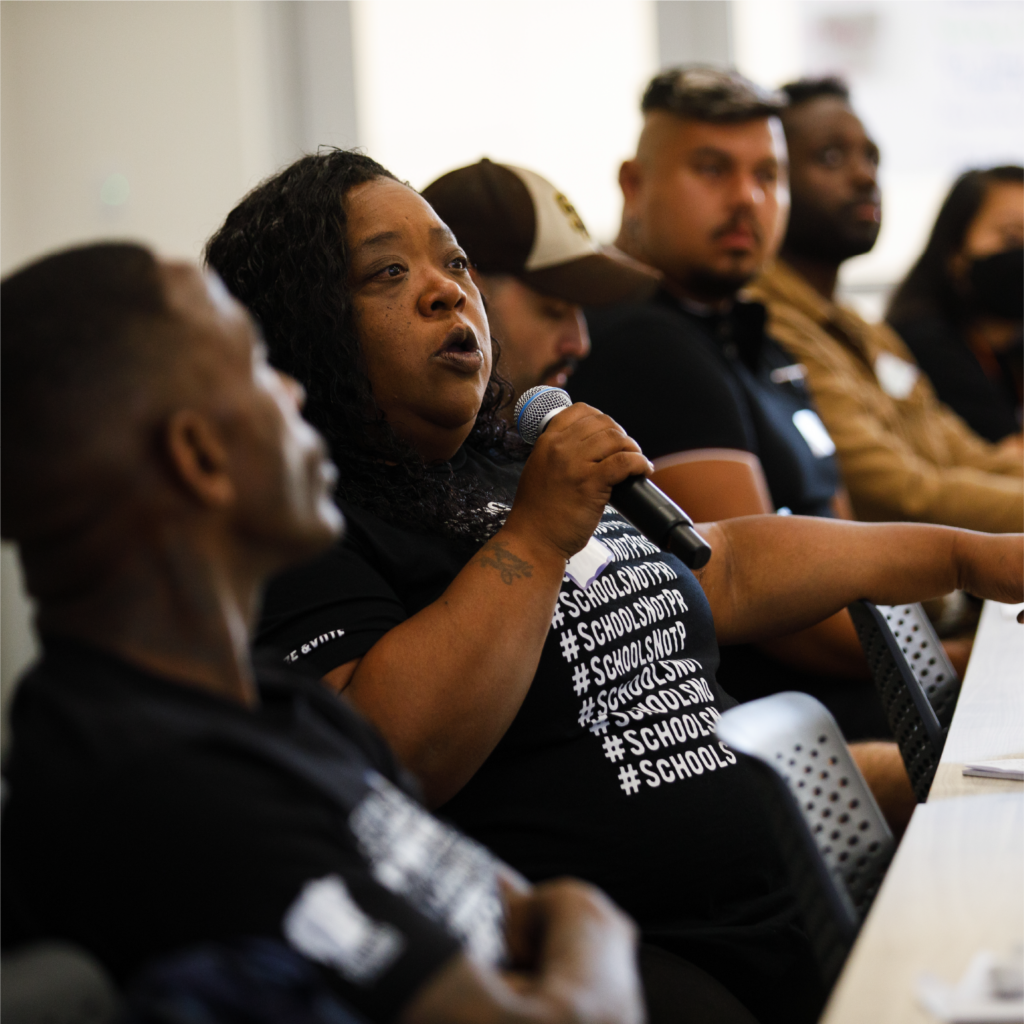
(199, 458)
(630, 176)
(630, 181)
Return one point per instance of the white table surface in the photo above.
(956, 884)
(989, 720)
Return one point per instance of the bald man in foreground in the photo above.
(164, 790)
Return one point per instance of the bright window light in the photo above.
(551, 86)
(939, 83)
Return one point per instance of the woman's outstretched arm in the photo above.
(772, 575)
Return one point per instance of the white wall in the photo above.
(150, 121)
(152, 93)
(695, 32)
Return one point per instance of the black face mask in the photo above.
(998, 284)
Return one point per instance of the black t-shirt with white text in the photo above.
(611, 770)
(146, 817)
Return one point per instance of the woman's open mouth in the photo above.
(461, 351)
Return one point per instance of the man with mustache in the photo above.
(904, 455)
(705, 201)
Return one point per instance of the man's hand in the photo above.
(574, 962)
(569, 476)
(580, 948)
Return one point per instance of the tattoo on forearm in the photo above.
(496, 555)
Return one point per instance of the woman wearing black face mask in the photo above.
(961, 308)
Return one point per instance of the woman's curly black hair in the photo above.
(282, 252)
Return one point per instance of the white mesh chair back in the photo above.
(833, 837)
(917, 684)
(925, 656)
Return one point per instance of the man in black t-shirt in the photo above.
(692, 367)
(163, 791)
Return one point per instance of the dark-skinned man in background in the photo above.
(165, 792)
(903, 454)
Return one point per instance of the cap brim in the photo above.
(599, 279)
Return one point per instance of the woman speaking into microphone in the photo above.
(546, 671)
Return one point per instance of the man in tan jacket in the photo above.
(903, 454)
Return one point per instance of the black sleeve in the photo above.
(958, 378)
(329, 611)
(211, 847)
(661, 382)
(343, 716)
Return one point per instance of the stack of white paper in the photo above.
(1006, 768)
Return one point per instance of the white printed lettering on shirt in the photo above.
(896, 377)
(446, 876)
(586, 565)
(327, 925)
(311, 645)
(814, 433)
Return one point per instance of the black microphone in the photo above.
(644, 504)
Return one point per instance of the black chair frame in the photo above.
(917, 685)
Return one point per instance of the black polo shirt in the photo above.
(989, 405)
(677, 379)
(146, 816)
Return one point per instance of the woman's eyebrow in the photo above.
(445, 233)
(379, 239)
(385, 237)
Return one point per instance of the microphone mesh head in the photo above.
(534, 407)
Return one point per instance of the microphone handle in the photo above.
(659, 518)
